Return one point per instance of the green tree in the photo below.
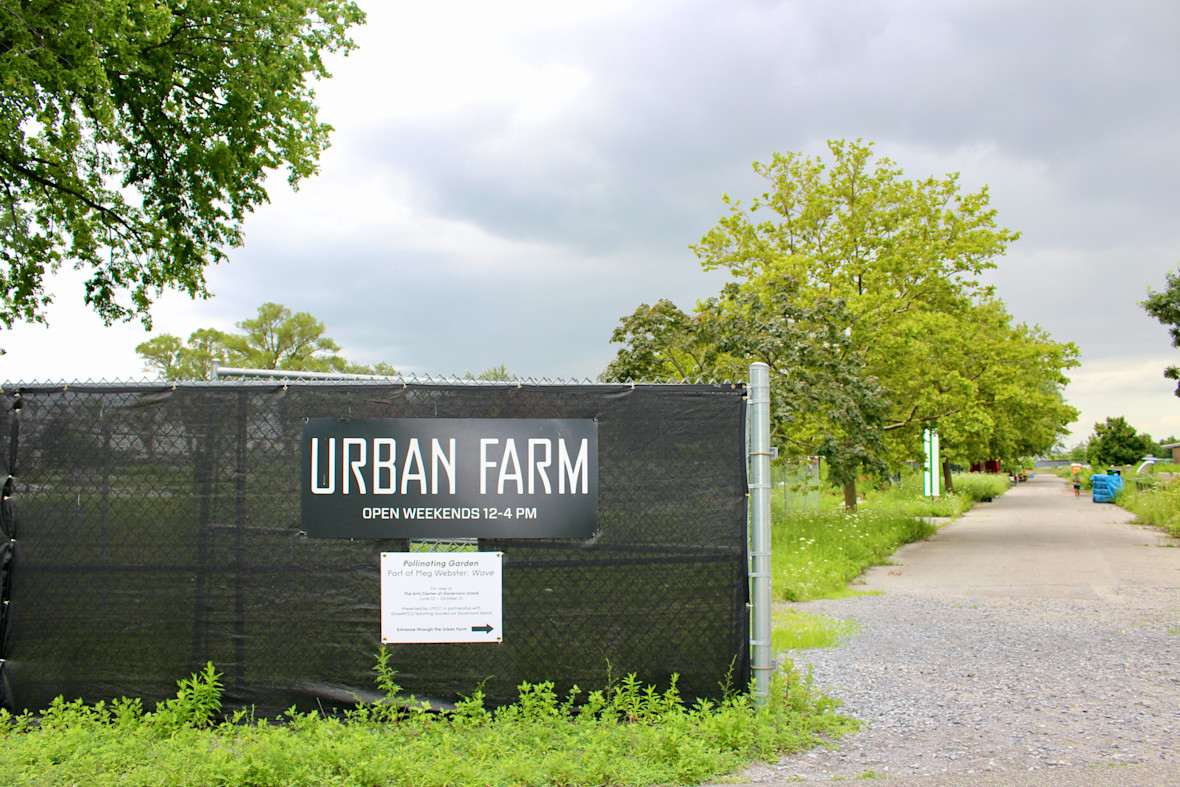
(1116, 442)
(278, 339)
(275, 339)
(1165, 307)
(498, 373)
(1164, 453)
(136, 135)
(902, 254)
(379, 369)
(821, 402)
(904, 257)
(661, 342)
(851, 248)
(1080, 452)
(172, 359)
(1006, 381)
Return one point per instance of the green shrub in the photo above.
(980, 486)
(1083, 474)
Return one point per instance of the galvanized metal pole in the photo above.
(758, 414)
(218, 371)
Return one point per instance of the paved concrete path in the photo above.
(1036, 548)
(1036, 541)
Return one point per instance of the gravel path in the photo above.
(961, 670)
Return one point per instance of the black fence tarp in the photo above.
(150, 529)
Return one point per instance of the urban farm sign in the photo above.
(449, 478)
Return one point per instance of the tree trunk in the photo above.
(948, 483)
(850, 495)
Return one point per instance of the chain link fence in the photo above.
(150, 529)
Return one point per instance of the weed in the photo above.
(1159, 506)
(197, 701)
(626, 733)
(796, 630)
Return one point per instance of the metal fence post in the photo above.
(760, 623)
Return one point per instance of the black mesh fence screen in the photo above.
(151, 529)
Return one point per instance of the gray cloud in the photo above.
(686, 101)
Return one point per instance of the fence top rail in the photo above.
(308, 381)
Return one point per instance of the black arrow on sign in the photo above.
(486, 629)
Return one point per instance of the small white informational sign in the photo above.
(430, 597)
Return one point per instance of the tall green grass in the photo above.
(815, 554)
(1159, 506)
(906, 496)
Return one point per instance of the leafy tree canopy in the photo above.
(904, 256)
(857, 229)
(275, 339)
(1000, 385)
(135, 136)
(498, 373)
(862, 290)
(1116, 442)
(1165, 307)
(821, 402)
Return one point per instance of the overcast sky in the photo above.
(508, 179)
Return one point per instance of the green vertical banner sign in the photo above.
(933, 464)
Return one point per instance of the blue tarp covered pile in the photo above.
(1106, 487)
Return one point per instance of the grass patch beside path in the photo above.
(1158, 507)
(798, 630)
(816, 554)
(626, 735)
